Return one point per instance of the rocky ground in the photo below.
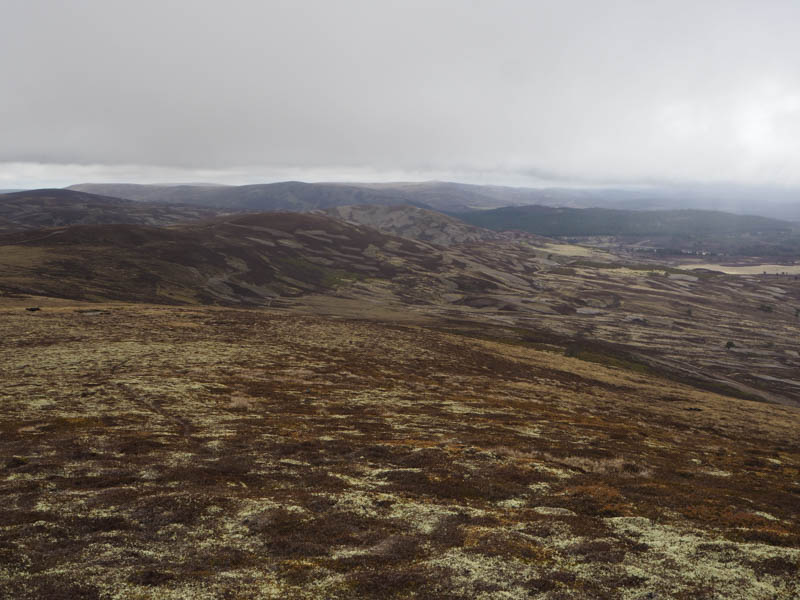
(157, 452)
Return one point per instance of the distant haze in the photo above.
(503, 92)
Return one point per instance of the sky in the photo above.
(529, 92)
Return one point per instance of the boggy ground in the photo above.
(153, 452)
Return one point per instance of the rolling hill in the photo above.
(773, 202)
(34, 209)
(283, 196)
(519, 289)
(581, 222)
(300, 196)
(291, 405)
(154, 451)
(666, 232)
(416, 223)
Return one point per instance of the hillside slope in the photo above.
(245, 259)
(297, 195)
(196, 452)
(34, 209)
(577, 222)
(415, 223)
(732, 333)
(775, 202)
(673, 232)
(282, 196)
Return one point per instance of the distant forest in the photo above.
(559, 222)
(665, 231)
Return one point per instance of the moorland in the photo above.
(386, 402)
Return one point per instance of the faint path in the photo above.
(184, 426)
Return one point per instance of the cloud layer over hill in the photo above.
(579, 90)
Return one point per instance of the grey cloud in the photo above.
(585, 90)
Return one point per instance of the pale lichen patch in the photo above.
(681, 558)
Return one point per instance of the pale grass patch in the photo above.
(553, 511)
(469, 568)
(765, 515)
(424, 517)
(513, 503)
(361, 503)
(717, 473)
(514, 453)
(585, 464)
(541, 487)
(240, 402)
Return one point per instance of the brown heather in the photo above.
(153, 452)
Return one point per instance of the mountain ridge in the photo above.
(773, 202)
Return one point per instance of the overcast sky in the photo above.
(526, 92)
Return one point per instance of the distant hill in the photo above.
(251, 259)
(300, 196)
(774, 202)
(174, 194)
(242, 259)
(413, 222)
(657, 316)
(552, 221)
(34, 209)
(669, 232)
(284, 196)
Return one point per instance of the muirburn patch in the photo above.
(454, 485)
(598, 500)
(53, 587)
(415, 581)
